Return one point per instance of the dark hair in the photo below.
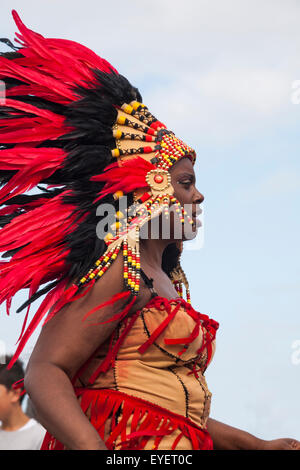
(170, 258)
(9, 376)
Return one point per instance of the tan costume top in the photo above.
(145, 386)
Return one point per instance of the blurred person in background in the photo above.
(17, 430)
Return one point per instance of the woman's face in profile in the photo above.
(184, 182)
(170, 226)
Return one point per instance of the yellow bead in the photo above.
(115, 152)
(135, 105)
(119, 215)
(108, 237)
(127, 108)
(97, 263)
(121, 120)
(83, 279)
(125, 275)
(118, 194)
(117, 134)
(116, 225)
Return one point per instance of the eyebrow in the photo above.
(187, 174)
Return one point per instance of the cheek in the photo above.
(184, 196)
(4, 405)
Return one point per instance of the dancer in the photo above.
(120, 360)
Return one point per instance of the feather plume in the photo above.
(55, 135)
(128, 177)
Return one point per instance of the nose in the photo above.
(198, 197)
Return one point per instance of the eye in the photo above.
(186, 183)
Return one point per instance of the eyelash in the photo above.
(186, 183)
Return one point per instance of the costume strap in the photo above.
(149, 283)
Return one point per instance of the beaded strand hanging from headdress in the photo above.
(76, 131)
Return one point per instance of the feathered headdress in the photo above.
(73, 134)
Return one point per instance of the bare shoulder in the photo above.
(69, 339)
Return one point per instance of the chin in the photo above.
(189, 232)
(190, 235)
(182, 232)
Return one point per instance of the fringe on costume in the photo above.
(148, 420)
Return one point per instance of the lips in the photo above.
(197, 212)
(196, 221)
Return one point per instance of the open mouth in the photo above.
(196, 221)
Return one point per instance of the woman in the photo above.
(120, 362)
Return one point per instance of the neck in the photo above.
(152, 250)
(16, 419)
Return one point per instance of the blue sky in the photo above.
(220, 75)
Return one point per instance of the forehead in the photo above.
(184, 164)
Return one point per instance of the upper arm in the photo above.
(66, 340)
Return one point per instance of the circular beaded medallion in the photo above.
(159, 180)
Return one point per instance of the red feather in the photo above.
(33, 166)
(28, 108)
(68, 61)
(36, 90)
(9, 68)
(50, 69)
(130, 176)
(38, 234)
(66, 48)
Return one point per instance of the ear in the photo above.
(15, 395)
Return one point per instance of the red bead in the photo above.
(161, 124)
(144, 197)
(158, 178)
